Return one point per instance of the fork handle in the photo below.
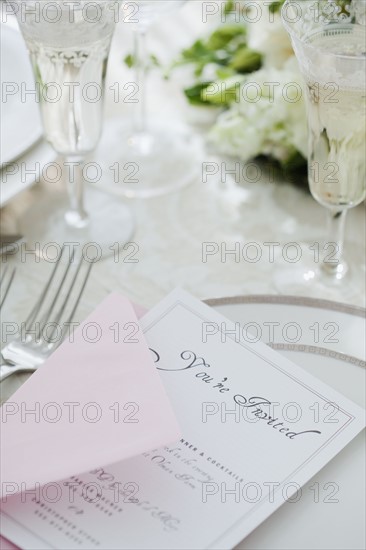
(8, 370)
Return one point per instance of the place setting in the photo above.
(182, 302)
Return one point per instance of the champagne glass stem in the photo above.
(76, 216)
(140, 56)
(333, 263)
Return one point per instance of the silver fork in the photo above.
(34, 344)
(6, 280)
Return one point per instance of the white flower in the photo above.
(268, 119)
(268, 36)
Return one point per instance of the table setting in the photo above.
(182, 274)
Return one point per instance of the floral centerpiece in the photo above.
(247, 69)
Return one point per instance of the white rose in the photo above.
(234, 137)
(274, 125)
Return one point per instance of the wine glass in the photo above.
(330, 45)
(166, 156)
(69, 45)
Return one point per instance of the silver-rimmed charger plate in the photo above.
(327, 339)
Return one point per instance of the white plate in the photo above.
(307, 523)
(21, 123)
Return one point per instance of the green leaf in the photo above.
(245, 60)
(196, 51)
(222, 92)
(229, 6)
(223, 73)
(194, 94)
(275, 7)
(154, 61)
(220, 38)
(130, 61)
(295, 162)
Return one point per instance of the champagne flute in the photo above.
(69, 46)
(148, 11)
(166, 156)
(330, 46)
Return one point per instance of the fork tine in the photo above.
(79, 296)
(47, 315)
(81, 292)
(35, 311)
(67, 297)
(8, 285)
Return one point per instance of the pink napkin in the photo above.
(6, 545)
(97, 401)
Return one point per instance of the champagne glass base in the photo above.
(307, 277)
(148, 164)
(110, 226)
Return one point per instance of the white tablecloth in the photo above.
(171, 230)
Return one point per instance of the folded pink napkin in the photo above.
(96, 401)
(6, 545)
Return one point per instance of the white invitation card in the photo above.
(255, 428)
